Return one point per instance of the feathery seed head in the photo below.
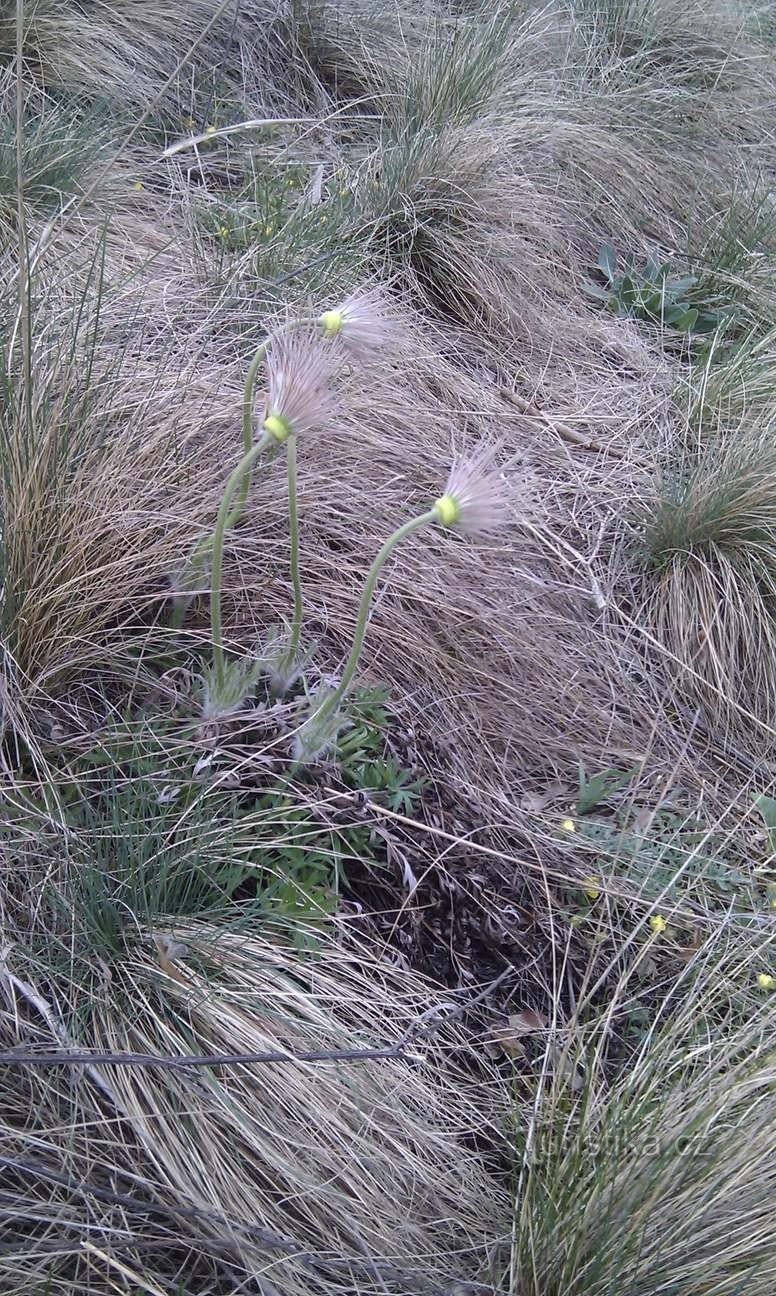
(365, 321)
(474, 499)
(299, 371)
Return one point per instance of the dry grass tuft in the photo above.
(294, 1178)
(710, 548)
(653, 1177)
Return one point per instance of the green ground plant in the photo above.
(652, 293)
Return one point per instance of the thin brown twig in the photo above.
(556, 425)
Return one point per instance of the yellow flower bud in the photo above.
(138, 185)
(278, 427)
(447, 510)
(210, 130)
(332, 322)
(568, 825)
(658, 924)
(766, 982)
(591, 888)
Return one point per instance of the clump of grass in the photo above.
(653, 1177)
(58, 148)
(320, 1175)
(731, 250)
(92, 447)
(710, 555)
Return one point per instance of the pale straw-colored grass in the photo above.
(297, 1177)
(487, 159)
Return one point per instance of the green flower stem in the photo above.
(293, 526)
(200, 552)
(247, 426)
(248, 391)
(222, 523)
(333, 700)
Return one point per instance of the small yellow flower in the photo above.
(210, 130)
(766, 982)
(268, 229)
(591, 887)
(343, 193)
(138, 185)
(658, 924)
(223, 231)
(568, 825)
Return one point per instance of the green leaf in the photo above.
(655, 271)
(596, 291)
(651, 303)
(680, 285)
(686, 321)
(592, 791)
(767, 807)
(607, 261)
(707, 322)
(627, 292)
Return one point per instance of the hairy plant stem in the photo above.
(222, 524)
(296, 580)
(200, 552)
(334, 699)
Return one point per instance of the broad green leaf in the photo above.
(686, 320)
(681, 284)
(707, 321)
(655, 271)
(627, 292)
(651, 303)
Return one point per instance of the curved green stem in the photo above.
(200, 551)
(293, 527)
(247, 425)
(222, 524)
(334, 699)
